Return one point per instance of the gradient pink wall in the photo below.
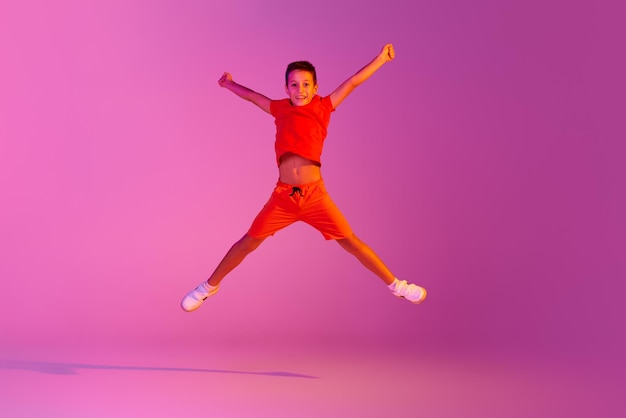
(485, 162)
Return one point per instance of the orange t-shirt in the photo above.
(301, 129)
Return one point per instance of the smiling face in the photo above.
(301, 87)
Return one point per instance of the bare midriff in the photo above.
(294, 169)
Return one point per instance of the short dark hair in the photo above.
(302, 66)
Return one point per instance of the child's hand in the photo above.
(224, 78)
(387, 53)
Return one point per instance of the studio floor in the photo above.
(249, 380)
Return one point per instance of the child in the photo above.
(301, 122)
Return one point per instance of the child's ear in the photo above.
(315, 89)
(287, 90)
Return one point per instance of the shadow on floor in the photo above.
(72, 368)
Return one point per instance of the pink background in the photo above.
(485, 163)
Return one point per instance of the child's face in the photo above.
(300, 87)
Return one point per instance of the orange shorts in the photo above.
(308, 203)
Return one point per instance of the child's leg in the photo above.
(270, 219)
(367, 257)
(234, 257)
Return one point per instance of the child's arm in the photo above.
(245, 93)
(341, 92)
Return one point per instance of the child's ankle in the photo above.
(393, 284)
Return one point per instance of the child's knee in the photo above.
(249, 243)
(351, 243)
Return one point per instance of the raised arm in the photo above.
(226, 80)
(341, 92)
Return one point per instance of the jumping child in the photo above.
(301, 123)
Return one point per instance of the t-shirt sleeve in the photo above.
(327, 104)
(278, 106)
(273, 107)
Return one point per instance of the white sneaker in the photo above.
(411, 292)
(194, 299)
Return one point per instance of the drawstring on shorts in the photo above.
(295, 190)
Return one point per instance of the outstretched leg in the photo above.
(232, 259)
(367, 257)
(372, 261)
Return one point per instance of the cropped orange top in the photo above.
(301, 129)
